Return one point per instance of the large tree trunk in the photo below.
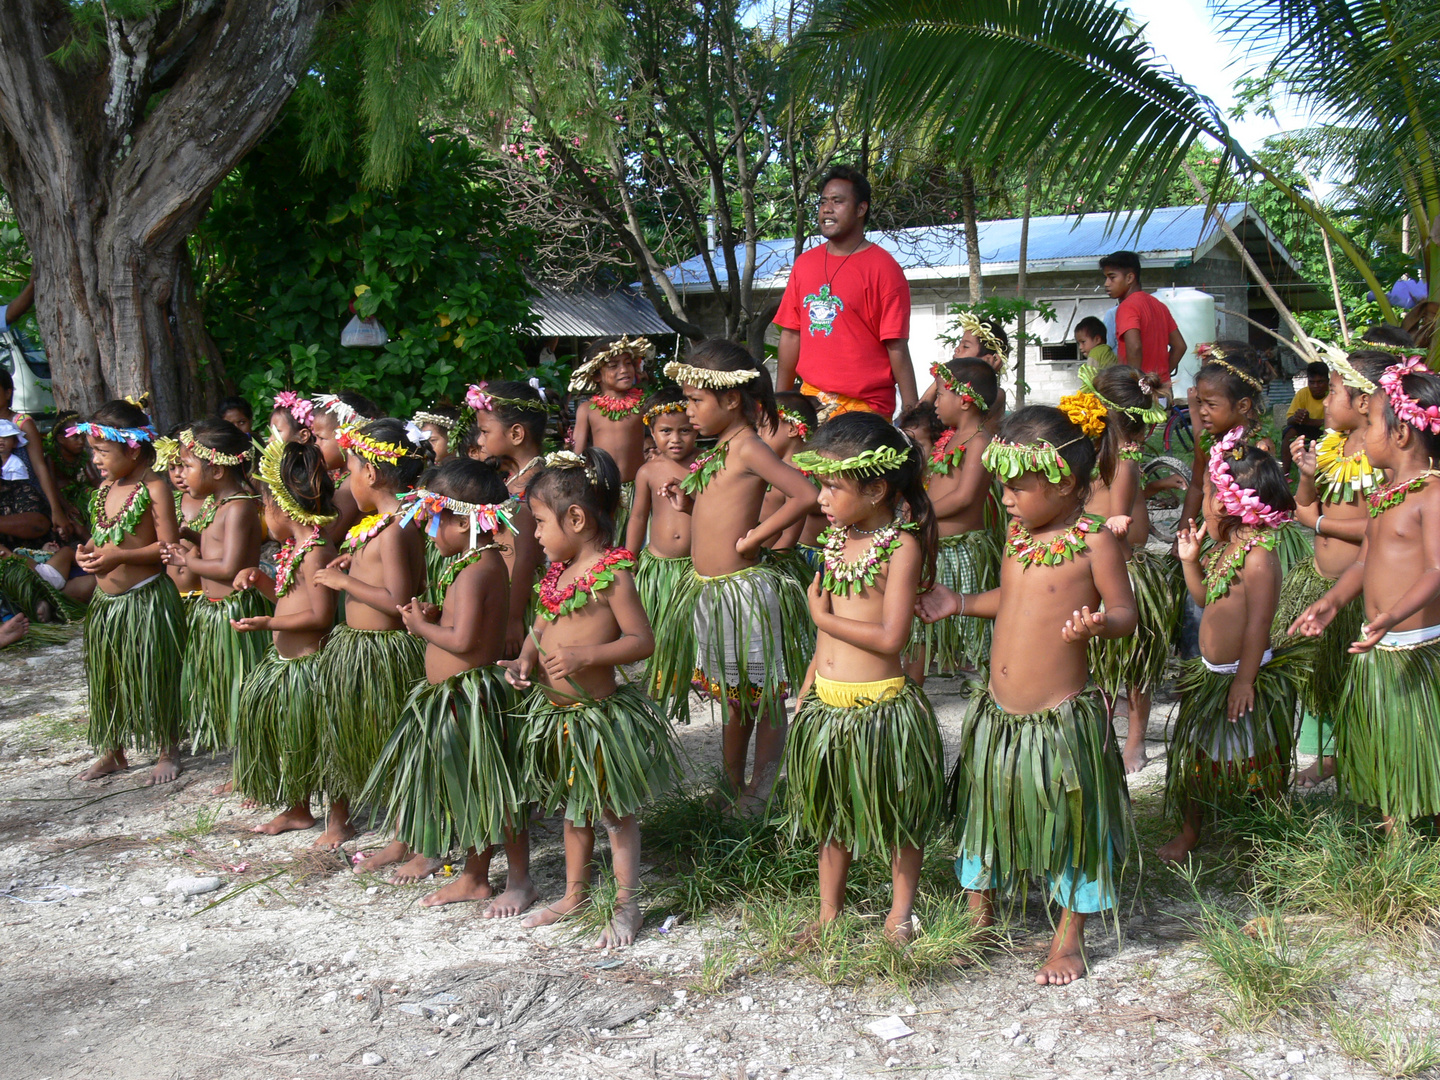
(110, 163)
(970, 212)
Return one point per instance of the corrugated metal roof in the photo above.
(1171, 235)
(587, 313)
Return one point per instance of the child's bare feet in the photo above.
(335, 834)
(224, 789)
(464, 889)
(748, 805)
(417, 869)
(292, 820)
(13, 629)
(1316, 773)
(1135, 757)
(899, 932)
(808, 936)
(514, 900)
(553, 913)
(1177, 849)
(623, 926)
(167, 768)
(388, 855)
(112, 761)
(1064, 966)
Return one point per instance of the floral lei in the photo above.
(1131, 452)
(555, 602)
(941, 373)
(365, 530)
(209, 508)
(1236, 501)
(1027, 550)
(1425, 418)
(469, 558)
(943, 459)
(1395, 494)
(844, 578)
(1222, 569)
(798, 426)
(704, 468)
(1340, 477)
(289, 558)
(108, 530)
(617, 408)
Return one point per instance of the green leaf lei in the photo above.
(291, 555)
(1027, 550)
(848, 578)
(704, 468)
(208, 509)
(1222, 569)
(555, 602)
(470, 558)
(105, 530)
(1395, 494)
(1131, 452)
(879, 460)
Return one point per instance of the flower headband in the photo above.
(302, 409)
(1338, 359)
(1210, 353)
(568, 459)
(796, 422)
(167, 453)
(657, 411)
(204, 453)
(1007, 460)
(269, 473)
(1086, 411)
(963, 390)
(1424, 417)
(1140, 412)
(484, 517)
(451, 425)
(344, 414)
(706, 379)
(583, 380)
(375, 450)
(969, 321)
(130, 436)
(481, 400)
(880, 460)
(1241, 502)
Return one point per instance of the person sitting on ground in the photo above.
(1090, 340)
(1305, 419)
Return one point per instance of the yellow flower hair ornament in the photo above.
(167, 453)
(657, 411)
(1086, 411)
(363, 446)
(973, 324)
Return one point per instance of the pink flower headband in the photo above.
(302, 409)
(1237, 501)
(1424, 417)
(479, 398)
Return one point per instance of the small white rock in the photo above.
(1295, 1057)
(350, 957)
(372, 890)
(193, 886)
(746, 1002)
(891, 1062)
(371, 1058)
(149, 901)
(329, 998)
(453, 1019)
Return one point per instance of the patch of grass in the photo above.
(1388, 1047)
(718, 964)
(205, 819)
(46, 730)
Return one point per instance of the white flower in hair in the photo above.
(535, 382)
(413, 432)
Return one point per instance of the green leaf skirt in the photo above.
(448, 774)
(657, 580)
(1328, 655)
(968, 563)
(365, 679)
(613, 754)
(27, 590)
(277, 742)
(133, 648)
(217, 659)
(1138, 661)
(869, 777)
(1389, 730)
(1294, 544)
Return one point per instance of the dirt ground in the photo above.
(308, 970)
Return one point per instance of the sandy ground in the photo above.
(312, 971)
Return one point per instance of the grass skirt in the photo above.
(869, 777)
(365, 678)
(1214, 762)
(277, 744)
(968, 563)
(217, 659)
(447, 773)
(1327, 655)
(133, 648)
(1293, 545)
(1138, 661)
(622, 512)
(1389, 737)
(616, 753)
(794, 562)
(657, 579)
(752, 637)
(1040, 794)
(26, 590)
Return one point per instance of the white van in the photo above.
(31, 371)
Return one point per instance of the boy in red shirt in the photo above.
(1146, 331)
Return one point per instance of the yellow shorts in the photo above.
(847, 695)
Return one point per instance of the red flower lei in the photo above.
(555, 602)
(617, 408)
(289, 558)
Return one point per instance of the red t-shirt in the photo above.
(1141, 311)
(845, 309)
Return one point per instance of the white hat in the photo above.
(9, 427)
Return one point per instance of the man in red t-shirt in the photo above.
(1144, 328)
(845, 317)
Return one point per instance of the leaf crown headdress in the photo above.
(585, 378)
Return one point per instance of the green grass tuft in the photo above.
(1389, 1048)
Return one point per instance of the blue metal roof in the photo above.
(1170, 235)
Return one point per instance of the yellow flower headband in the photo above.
(1086, 411)
(214, 457)
(656, 411)
(584, 378)
(167, 453)
(375, 450)
(706, 379)
(270, 475)
(969, 321)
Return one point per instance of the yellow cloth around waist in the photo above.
(847, 695)
(832, 403)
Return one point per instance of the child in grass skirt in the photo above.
(1388, 748)
(370, 663)
(748, 614)
(865, 762)
(613, 416)
(187, 509)
(1039, 788)
(443, 426)
(277, 742)
(224, 541)
(135, 630)
(329, 417)
(448, 773)
(1234, 735)
(959, 487)
(794, 549)
(589, 747)
(1115, 406)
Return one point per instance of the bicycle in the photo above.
(1177, 427)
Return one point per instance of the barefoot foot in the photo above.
(167, 768)
(553, 913)
(224, 789)
(1135, 757)
(1178, 849)
(1061, 968)
(899, 932)
(809, 936)
(292, 820)
(1314, 774)
(466, 888)
(623, 926)
(417, 869)
(391, 853)
(511, 902)
(112, 761)
(335, 834)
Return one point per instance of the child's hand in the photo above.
(248, 578)
(1303, 452)
(515, 636)
(1187, 541)
(253, 622)
(562, 662)
(670, 491)
(939, 603)
(1083, 625)
(98, 562)
(1372, 632)
(819, 599)
(340, 562)
(1119, 525)
(85, 549)
(417, 613)
(517, 673)
(1240, 701)
(174, 555)
(1315, 618)
(747, 547)
(332, 578)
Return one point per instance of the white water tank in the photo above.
(1194, 313)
